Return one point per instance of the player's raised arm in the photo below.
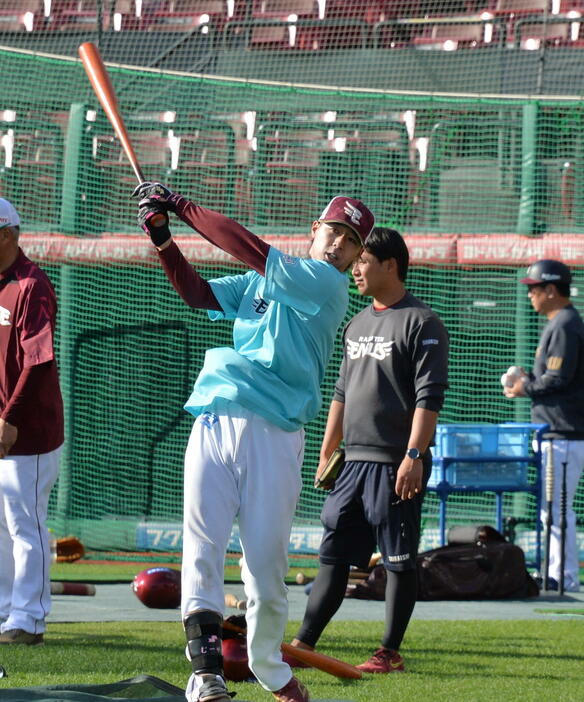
(193, 289)
(221, 231)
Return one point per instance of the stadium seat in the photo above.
(521, 6)
(184, 15)
(370, 12)
(32, 162)
(530, 35)
(207, 166)
(379, 164)
(83, 16)
(155, 155)
(288, 165)
(282, 9)
(449, 35)
(21, 15)
(280, 17)
(333, 33)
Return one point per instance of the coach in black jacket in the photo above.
(390, 389)
(556, 390)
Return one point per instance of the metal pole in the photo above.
(549, 497)
(563, 525)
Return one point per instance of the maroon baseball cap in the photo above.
(352, 212)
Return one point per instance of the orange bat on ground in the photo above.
(328, 664)
(59, 588)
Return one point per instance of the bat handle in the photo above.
(549, 474)
(138, 173)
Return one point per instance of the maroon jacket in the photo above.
(30, 396)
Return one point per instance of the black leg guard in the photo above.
(203, 630)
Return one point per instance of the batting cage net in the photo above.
(467, 141)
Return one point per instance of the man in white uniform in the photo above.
(251, 401)
(31, 435)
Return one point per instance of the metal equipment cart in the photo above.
(490, 458)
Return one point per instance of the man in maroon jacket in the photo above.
(31, 435)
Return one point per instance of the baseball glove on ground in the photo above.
(69, 549)
(325, 479)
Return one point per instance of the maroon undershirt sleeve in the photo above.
(193, 289)
(28, 381)
(225, 233)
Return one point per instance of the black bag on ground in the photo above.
(480, 570)
(370, 588)
(477, 564)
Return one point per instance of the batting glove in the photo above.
(156, 194)
(154, 221)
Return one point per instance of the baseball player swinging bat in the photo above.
(549, 497)
(332, 666)
(105, 93)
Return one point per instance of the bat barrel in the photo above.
(105, 93)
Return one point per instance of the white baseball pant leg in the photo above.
(237, 463)
(25, 588)
(571, 452)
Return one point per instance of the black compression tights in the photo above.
(326, 596)
(400, 599)
(328, 591)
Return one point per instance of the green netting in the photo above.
(271, 155)
(130, 349)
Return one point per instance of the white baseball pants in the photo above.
(25, 588)
(239, 465)
(571, 452)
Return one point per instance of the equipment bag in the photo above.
(473, 534)
(478, 563)
(482, 570)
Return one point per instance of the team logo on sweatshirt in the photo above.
(260, 305)
(373, 346)
(4, 317)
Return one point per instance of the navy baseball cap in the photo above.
(352, 212)
(547, 271)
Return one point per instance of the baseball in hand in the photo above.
(510, 376)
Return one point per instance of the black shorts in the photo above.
(362, 514)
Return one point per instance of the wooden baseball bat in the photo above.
(232, 601)
(105, 93)
(328, 664)
(64, 588)
(302, 578)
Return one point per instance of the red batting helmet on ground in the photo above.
(158, 587)
(235, 660)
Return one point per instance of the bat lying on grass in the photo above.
(332, 666)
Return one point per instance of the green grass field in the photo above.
(96, 572)
(447, 661)
(470, 661)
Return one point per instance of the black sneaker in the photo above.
(214, 689)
